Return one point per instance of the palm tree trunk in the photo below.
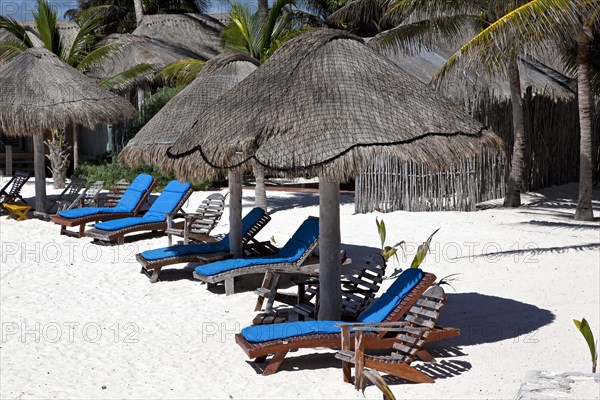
(584, 209)
(260, 194)
(515, 179)
(263, 9)
(139, 11)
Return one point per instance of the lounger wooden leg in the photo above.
(154, 276)
(424, 355)
(229, 286)
(81, 230)
(359, 361)
(275, 363)
(345, 345)
(404, 371)
(63, 229)
(266, 284)
(121, 240)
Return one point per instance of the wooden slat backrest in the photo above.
(360, 286)
(210, 210)
(16, 183)
(116, 192)
(420, 319)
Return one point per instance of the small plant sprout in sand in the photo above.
(387, 252)
(586, 331)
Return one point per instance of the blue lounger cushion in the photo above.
(376, 313)
(248, 222)
(128, 202)
(166, 203)
(291, 252)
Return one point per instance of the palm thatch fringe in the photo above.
(326, 104)
(40, 92)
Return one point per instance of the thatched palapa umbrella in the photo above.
(198, 33)
(39, 92)
(217, 76)
(325, 104)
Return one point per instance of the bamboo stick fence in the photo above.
(551, 158)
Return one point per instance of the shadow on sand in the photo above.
(488, 319)
(296, 200)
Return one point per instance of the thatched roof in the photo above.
(218, 76)
(230, 63)
(40, 92)
(196, 33)
(325, 104)
(137, 50)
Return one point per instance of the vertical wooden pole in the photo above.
(9, 161)
(235, 213)
(75, 146)
(329, 250)
(39, 165)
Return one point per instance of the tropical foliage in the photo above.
(586, 331)
(118, 16)
(81, 54)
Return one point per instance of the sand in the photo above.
(80, 321)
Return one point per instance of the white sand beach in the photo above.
(80, 321)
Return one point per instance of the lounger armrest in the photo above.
(378, 326)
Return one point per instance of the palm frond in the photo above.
(9, 49)
(45, 20)
(435, 9)
(275, 18)
(13, 27)
(129, 79)
(357, 12)
(182, 72)
(86, 38)
(242, 33)
(414, 37)
(98, 55)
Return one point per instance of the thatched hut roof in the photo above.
(217, 76)
(40, 92)
(325, 104)
(137, 50)
(196, 33)
(230, 63)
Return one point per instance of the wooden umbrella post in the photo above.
(329, 250)
(39, 164)
(235, 213)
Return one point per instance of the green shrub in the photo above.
(111, 172)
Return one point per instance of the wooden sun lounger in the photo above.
(372, 340)
(12, 190)
(65, 200)
(82, 221)
(197, 225)
(152, 268)
(118, 236)
(228, 276)
(411, 334)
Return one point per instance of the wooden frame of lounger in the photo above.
(81, 221)
(373, 340)
(119, 234)
(228, 276)
(12, 190)
(152, 268)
